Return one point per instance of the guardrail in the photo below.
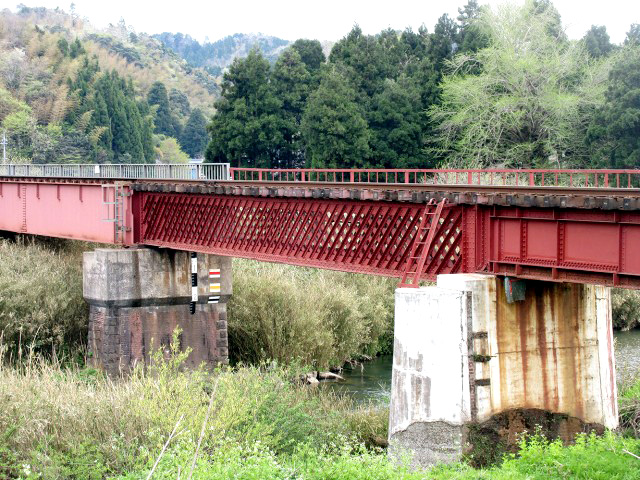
(173, 171)
(576, 178)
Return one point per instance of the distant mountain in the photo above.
(216, 56)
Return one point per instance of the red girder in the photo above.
(582, 240)
(353, 236)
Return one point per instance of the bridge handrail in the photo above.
(573, 178)
(577, 178)
(168, 171)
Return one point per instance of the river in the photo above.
(373, 382)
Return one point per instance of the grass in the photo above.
(41, 302)
(60, 421)
(307, 315)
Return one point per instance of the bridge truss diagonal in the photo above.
(353, 236)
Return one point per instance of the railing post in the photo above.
(352, 176)
(531, 179)
(469, 178)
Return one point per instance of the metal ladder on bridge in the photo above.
(119, 194)
(422, 244)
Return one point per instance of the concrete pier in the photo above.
(138, 296)
(472, 370)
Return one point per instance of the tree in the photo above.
(244, 130)
(311, 54)
(633, 35)
(614, 133)
(333, 126)
(365, 62)
(471, 37)
(168, 150)
(158, 97)
(292, 85)
(443, 41)
(596, 41)
(397, 122)
(194, 135)
(531, 103)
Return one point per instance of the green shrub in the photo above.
(59, 420)
(629, 404)
(41, 302)
(625, 307)
(312, 316)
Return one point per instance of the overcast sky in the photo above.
(319, 19)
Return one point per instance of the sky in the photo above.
(322, 20)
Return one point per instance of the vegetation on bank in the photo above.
(61, 421)
(314, 317)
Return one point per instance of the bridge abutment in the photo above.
(138, 296)
(472, 371)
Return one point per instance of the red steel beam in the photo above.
(366, 236)
(352, 236)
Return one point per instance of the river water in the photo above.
(373, 382)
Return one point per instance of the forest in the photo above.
(502, 87)
(71, 94)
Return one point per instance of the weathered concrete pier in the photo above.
(138, 296)
(466, 362)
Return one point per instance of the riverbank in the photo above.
(249, 422)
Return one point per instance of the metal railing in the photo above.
(572, 178)
(174, 171)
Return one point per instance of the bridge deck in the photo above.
(519, 223)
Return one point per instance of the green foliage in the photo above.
(614, 132)
(333, 127)
(119, 127)
(311, 54)
(532, 100)
(292, 83)
(41, 302)
(311, 316)
(168, 150)
(194, 136)
(629, 405)
(165, 123)
(597, 42)
(245, 129)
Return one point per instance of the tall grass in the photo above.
(59, 420)
(307, 315)
(64, 422)
(41, 302)
(625, 308)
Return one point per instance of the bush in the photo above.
(41, 302)
(58, 420)
(629, 403)
(313, 316)
(625, 307)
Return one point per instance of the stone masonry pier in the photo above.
(138, 296)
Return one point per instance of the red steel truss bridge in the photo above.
(561, 225)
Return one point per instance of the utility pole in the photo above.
(4, 146)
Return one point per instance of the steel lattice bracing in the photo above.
(354, 236)
(572, 226)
